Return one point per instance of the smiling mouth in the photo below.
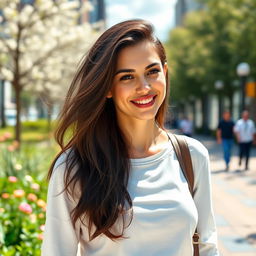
(145, 102)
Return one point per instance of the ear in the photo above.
(109, 95)
(165, 67)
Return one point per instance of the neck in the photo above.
(144, 137)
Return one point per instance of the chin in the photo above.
(146, 117)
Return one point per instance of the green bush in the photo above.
(39, 125)
(32, 131)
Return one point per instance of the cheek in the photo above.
(160, 83)
(161, 86)
(120, 93)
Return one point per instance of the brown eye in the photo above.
(126, 77)
(153, 71)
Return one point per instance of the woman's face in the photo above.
(139, 85)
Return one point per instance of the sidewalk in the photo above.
(234, 201)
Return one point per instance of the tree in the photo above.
(209, 46)
(42, 41)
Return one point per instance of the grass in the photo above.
(32, 131)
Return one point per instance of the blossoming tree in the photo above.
(40, 44)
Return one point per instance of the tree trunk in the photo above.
(17, 86)
(49, 117)
(2, 107)
(205, 115)
(231, 103)
(193, 105)
(18, 110)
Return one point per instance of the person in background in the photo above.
(225, 136)
(186, 126)
(246, 135)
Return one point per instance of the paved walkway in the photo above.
(234, 200)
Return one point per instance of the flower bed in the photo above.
(23, 190)
(22, 215)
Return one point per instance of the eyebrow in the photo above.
(133, 70)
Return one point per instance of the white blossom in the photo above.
(25, 14)
(7, 74)
(11, 43)
(49, 43)
(9, 13)
(13, 29)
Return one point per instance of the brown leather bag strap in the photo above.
(182, 152)
(181, 149)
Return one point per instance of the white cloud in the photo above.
(159, 12)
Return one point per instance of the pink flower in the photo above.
(10, 148)
(18, 193)
(35, 186)
(7, 135)
(25, 207)
(5, 195)
(15, 144)
(12, 179)
(40, 236)
(41, 203)
(32, 197)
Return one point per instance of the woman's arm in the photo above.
(60, 237)
(206, 224)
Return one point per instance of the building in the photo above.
(97, 14)
(99, 11)
(184, 6)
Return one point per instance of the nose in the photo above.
(143, 85)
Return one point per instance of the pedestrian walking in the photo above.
(186, 126)
(116, 187)
(246, 136)
(224, 136)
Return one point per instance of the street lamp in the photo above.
(219, 86)
(243, 70)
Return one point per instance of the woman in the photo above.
(116, 187)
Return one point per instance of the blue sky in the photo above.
(159, 12)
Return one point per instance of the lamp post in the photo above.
(243, 70)
(219, 86)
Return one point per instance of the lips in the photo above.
(145, 101)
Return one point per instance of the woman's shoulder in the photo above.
(61, 163)
(63, 171)
(196, 148)
(62, 158)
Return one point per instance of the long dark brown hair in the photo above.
(97, 160)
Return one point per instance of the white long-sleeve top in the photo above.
(164, 214)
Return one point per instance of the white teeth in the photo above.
(144, 101)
